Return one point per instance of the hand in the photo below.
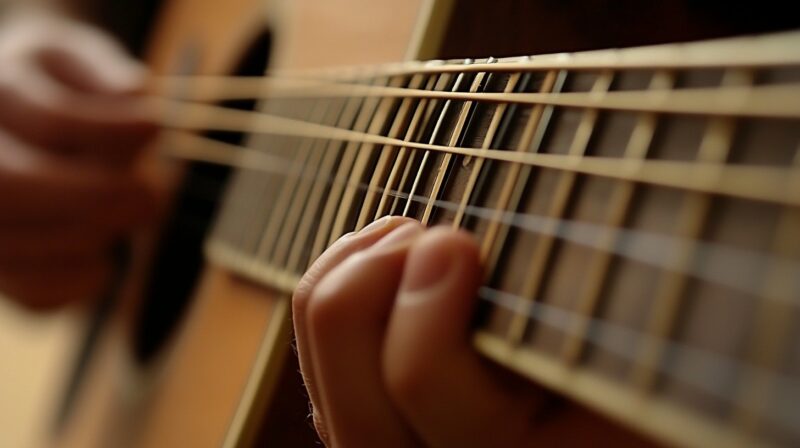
(381, 321)
(382, 327)
(72, 124)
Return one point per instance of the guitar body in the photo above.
(227, 375)
(189, 393)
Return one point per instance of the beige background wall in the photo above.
(34, 354)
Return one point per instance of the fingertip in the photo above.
(431, 315)
(349, 244)
(429, 364)
(374, 271)
(399, 238)
(387, 221)
(343, 248)
(439, 253)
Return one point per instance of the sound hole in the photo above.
(179, 257)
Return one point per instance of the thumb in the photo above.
(450, 395)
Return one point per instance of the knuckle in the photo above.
(325, 307)
(332, 301)
(324, 300)
(347, 236)
(301, 295)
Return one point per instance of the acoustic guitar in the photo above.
(636, 209)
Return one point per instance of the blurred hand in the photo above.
(71, 126)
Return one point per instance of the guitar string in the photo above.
(709, 372)
(711, 380)
(765, 183)
(737, 268)
(706, 370)
(770, 101)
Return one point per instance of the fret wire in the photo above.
(432, 140)
(519, 175)
(282, 201)
(433, 108)
(620, 340)
(543, 251)
(477, 168)
(330, 156)
(225, 224)
(646, 247)
(249, 235)
(472, 117)
(292, 214)
(751, 182)
(364, 118)
(771, 324)
(403, 152)
(228, 226)
(692, 219)
(456, 137)
(245, 231)
(671, 286)
(473, 113)
(404, 179)
(587, 305)
(610, 336)
(400, 125)
(484, 166)
(254, 207)
(771, 101)
(504, 130)
(496, 130)
(619, 208)
(361, 164)
(517, 179)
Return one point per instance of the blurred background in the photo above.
(34, 350)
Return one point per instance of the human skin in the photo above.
(72, 125)
(381, 321)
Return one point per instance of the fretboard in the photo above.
(638, 212)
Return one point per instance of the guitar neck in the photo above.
(637, 212)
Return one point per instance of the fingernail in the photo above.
(399, 237)
(378, 224)
(427, 267)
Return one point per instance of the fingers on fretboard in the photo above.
(654, 252)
